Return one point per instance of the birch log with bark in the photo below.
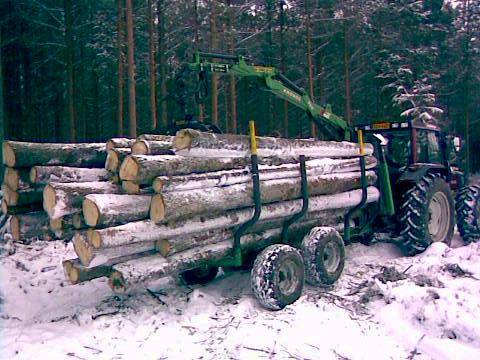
(141, 231)
(60, 199)
(115, 157)
(150, 147)
(66, 174)
(23, 196)
(110, 209)
(116, 143)
(28, 227)
(16, 178)
(21, 209)
(239, 176)
(89, 256)
(180, 204)
(195, 143)
(26, 154)
(155, 137)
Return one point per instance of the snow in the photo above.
(429, 311)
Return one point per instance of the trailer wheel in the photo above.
(324, 256)
(199, 275)
(468, 213)
(278, 276)
(427, 214)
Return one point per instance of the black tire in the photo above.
(324, 256)
(277, 276)
(468, 213)
(427, 214)
(199, 276)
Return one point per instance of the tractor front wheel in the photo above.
(468, 213)
(427, 214)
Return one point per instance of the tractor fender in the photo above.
(416, 172)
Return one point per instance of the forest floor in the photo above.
(385, 306)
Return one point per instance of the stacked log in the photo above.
(202, 194)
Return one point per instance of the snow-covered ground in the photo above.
(384, 307)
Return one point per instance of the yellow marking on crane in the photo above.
(360, 142)
(253, 138)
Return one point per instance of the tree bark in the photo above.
(116, 143)
(17, 179)
(120, 69)
(152, 66)
(195, 143)
(20, 209)
(346, 63)
(132, 106)
(141, 231)
(23, 196)
(3, 120)
(115, 157)
(214, 45)
(26, 154)
(150, 147)
(240, 176)
(162, 65)
(64, 174)
(27, 227)
(310, 61)
(233, 128)
(181, 204)
(60, 199)
(69, 61)
(109, 209)
(155, 137)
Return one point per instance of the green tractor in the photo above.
(423, 188)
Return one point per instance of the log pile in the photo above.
(202, 194)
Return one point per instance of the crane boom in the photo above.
(272, 80)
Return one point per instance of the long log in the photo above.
(142, 270)
(20, 209)
(115, 158)
(195, 143)
(16, 179)
(90, 257)
(150, 147)
(22, 197)
(239, 176)
(141, 231)
(180, 204)
(66, 174)
(155, 137)
(60, 199)
(143, 169)
(109, 209)
(31, 226)
(26, 154)
(119, 143)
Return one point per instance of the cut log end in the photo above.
(33, 175)
(117, 282)
(157, 208)
(4, 207)
(91, 213)
(94, 238)
(110, 145)
(113, 161)
(158, 184)
(163, 247)
(56, 224)
(183, 140)
(83, 249)
(8, 155)
(77, 221)
(15, 228)
(140, 148)
(49, 199)
(71, 273)
(130, 187)
(129, 169)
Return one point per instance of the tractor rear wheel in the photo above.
(468, 213)
(427, 214)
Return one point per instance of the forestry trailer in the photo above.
(422, 187)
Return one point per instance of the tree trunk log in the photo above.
(181, 204)
(23, 196)
(240, 176)
(116, 143)
(144, 168)
(115, 158)
(76, 273)
(109, 210)
(22, 209)
(17, 178)
(65, 174)
(26, 154)
(155, 137)
(60, 199)
(90, 257)
(195, 143)
(150, 147)
(141, 231)
(28, 227)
